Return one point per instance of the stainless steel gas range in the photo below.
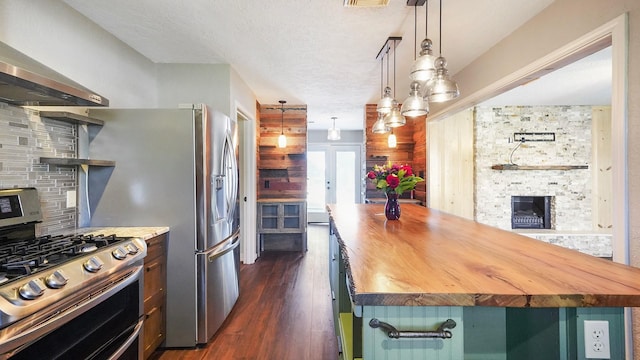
(66, 297)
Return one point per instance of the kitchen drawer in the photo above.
(154, 325)
(155, 284)
(154, 278)
(156, 247)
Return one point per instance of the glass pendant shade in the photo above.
(333, 133)
(392, 141)
(379, 126)
(414, 105)
(423, 68)
(441, 88)
(282, 141)
(385, 104)
(394, 118)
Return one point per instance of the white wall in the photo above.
(52, 33)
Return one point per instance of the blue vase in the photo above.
(392, 207)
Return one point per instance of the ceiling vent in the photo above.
(365, 3)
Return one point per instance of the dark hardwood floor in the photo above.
(284, 310)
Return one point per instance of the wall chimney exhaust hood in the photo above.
(26, 82)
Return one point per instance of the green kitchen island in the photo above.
(436, 286)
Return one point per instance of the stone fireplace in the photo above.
(562, 198)
(531, 212)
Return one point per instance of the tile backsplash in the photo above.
(24, 138)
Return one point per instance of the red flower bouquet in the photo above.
(393, 178)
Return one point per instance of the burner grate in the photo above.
(25, 257)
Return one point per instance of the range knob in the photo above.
(93, 264)
(56, 280)
(119, 253)
(132, 248)
(32, 289)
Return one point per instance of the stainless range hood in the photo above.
(24, 82)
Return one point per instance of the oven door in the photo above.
(103, 323)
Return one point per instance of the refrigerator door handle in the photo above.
(216, 253)
(230, 169)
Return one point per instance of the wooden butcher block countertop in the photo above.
(435, 259)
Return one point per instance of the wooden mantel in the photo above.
(431, 258)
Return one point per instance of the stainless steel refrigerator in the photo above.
(176, 168)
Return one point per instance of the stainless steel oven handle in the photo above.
(135, 335)
(235, 237)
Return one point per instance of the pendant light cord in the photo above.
(282, 118)
(381, 76)
(388, 66)
(415, 31)
(394, 69)
(440, 28)
(426, 19)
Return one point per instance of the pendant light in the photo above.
(394, 118)
(441, 88)
(379, 126)
(333, 133)
(415, 105)
(385, 103)
(392, 142)
(282, 140)
(423, 68)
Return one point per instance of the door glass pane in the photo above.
(269, 210)
(316, 185)
(291, 222)
(292, 210)
(346, 177)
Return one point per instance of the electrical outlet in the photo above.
(71, 199)
(596, 339)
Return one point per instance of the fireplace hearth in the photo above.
(531, 212)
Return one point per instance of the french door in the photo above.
(333, 176)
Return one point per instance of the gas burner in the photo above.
(26, 257)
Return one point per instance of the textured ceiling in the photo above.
(313, 52)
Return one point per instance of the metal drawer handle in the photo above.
(393, 333)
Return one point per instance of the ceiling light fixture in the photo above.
(415, 105)
(385, 103)
(423, 68)
(282, 140)
(394, 118)
(333, 133)
(379, 126)
(392, 142)
(441, 88)
(365, 3)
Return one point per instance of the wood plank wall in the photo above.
(282, 173)
(420, 157)
(407, 152)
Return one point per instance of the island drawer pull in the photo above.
(393, 333)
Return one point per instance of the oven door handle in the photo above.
(133, 337)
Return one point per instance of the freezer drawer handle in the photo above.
(393, 333)
(234, 244)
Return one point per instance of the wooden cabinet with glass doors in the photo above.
(282, 225)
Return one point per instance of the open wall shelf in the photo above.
(76, 162)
